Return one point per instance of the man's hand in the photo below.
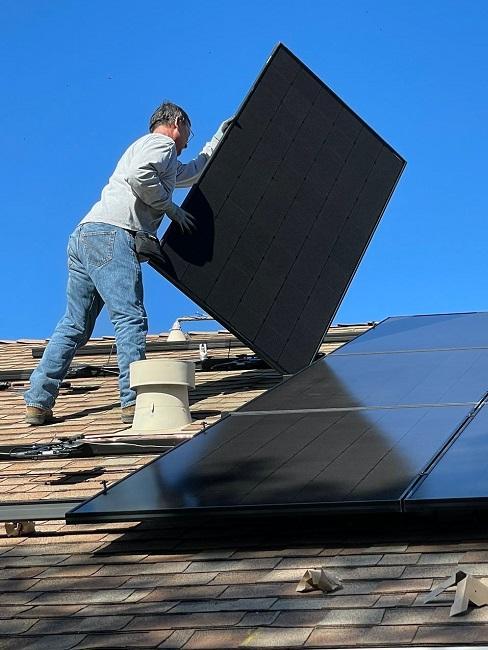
(184, 219)
(209, 148)
(223, 127)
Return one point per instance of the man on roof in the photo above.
(103, 266)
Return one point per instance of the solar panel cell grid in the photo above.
(290, 172)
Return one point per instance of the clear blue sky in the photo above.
(81, 77)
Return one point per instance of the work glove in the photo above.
(223, 128)
(184, 219)
(217, 137)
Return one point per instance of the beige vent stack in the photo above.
(161, 386)
(176, 333)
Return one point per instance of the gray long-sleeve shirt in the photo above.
(140, 189)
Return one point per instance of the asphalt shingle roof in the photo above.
(224, 583)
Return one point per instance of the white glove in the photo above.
(184, 219)
(217, 137)
(223, 128)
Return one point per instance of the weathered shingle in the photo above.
(205, 585)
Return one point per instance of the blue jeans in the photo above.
(103, 269)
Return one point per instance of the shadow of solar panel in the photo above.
(285, 208)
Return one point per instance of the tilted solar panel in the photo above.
(285, 210)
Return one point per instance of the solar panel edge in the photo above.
(77, 516)
(364, 249)
(365, 124)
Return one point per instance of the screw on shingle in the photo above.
(104, 483)
(204, 425)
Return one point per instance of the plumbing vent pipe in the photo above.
(161, 387)
(176, 333)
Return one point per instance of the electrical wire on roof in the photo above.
(110, 353)
(79, 447)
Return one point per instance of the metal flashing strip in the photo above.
(285, 210)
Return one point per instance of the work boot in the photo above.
(37, 416)
(127, 413)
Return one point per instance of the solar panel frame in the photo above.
(252, 264)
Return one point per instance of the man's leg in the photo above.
(119, 282)
(73, 330)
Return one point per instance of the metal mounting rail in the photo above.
(151, 346)
(37, 510)
(173, 346)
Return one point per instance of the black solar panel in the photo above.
(285, 208)
(351, 431)
(340, 460)
(429, 332)
(394, 379)
(460, 477)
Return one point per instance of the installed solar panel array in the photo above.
(360, 429)
(285, 210)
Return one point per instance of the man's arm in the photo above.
(187, 174)
(152, 173)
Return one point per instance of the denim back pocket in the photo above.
(98, 247)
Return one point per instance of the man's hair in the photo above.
(167, 113)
